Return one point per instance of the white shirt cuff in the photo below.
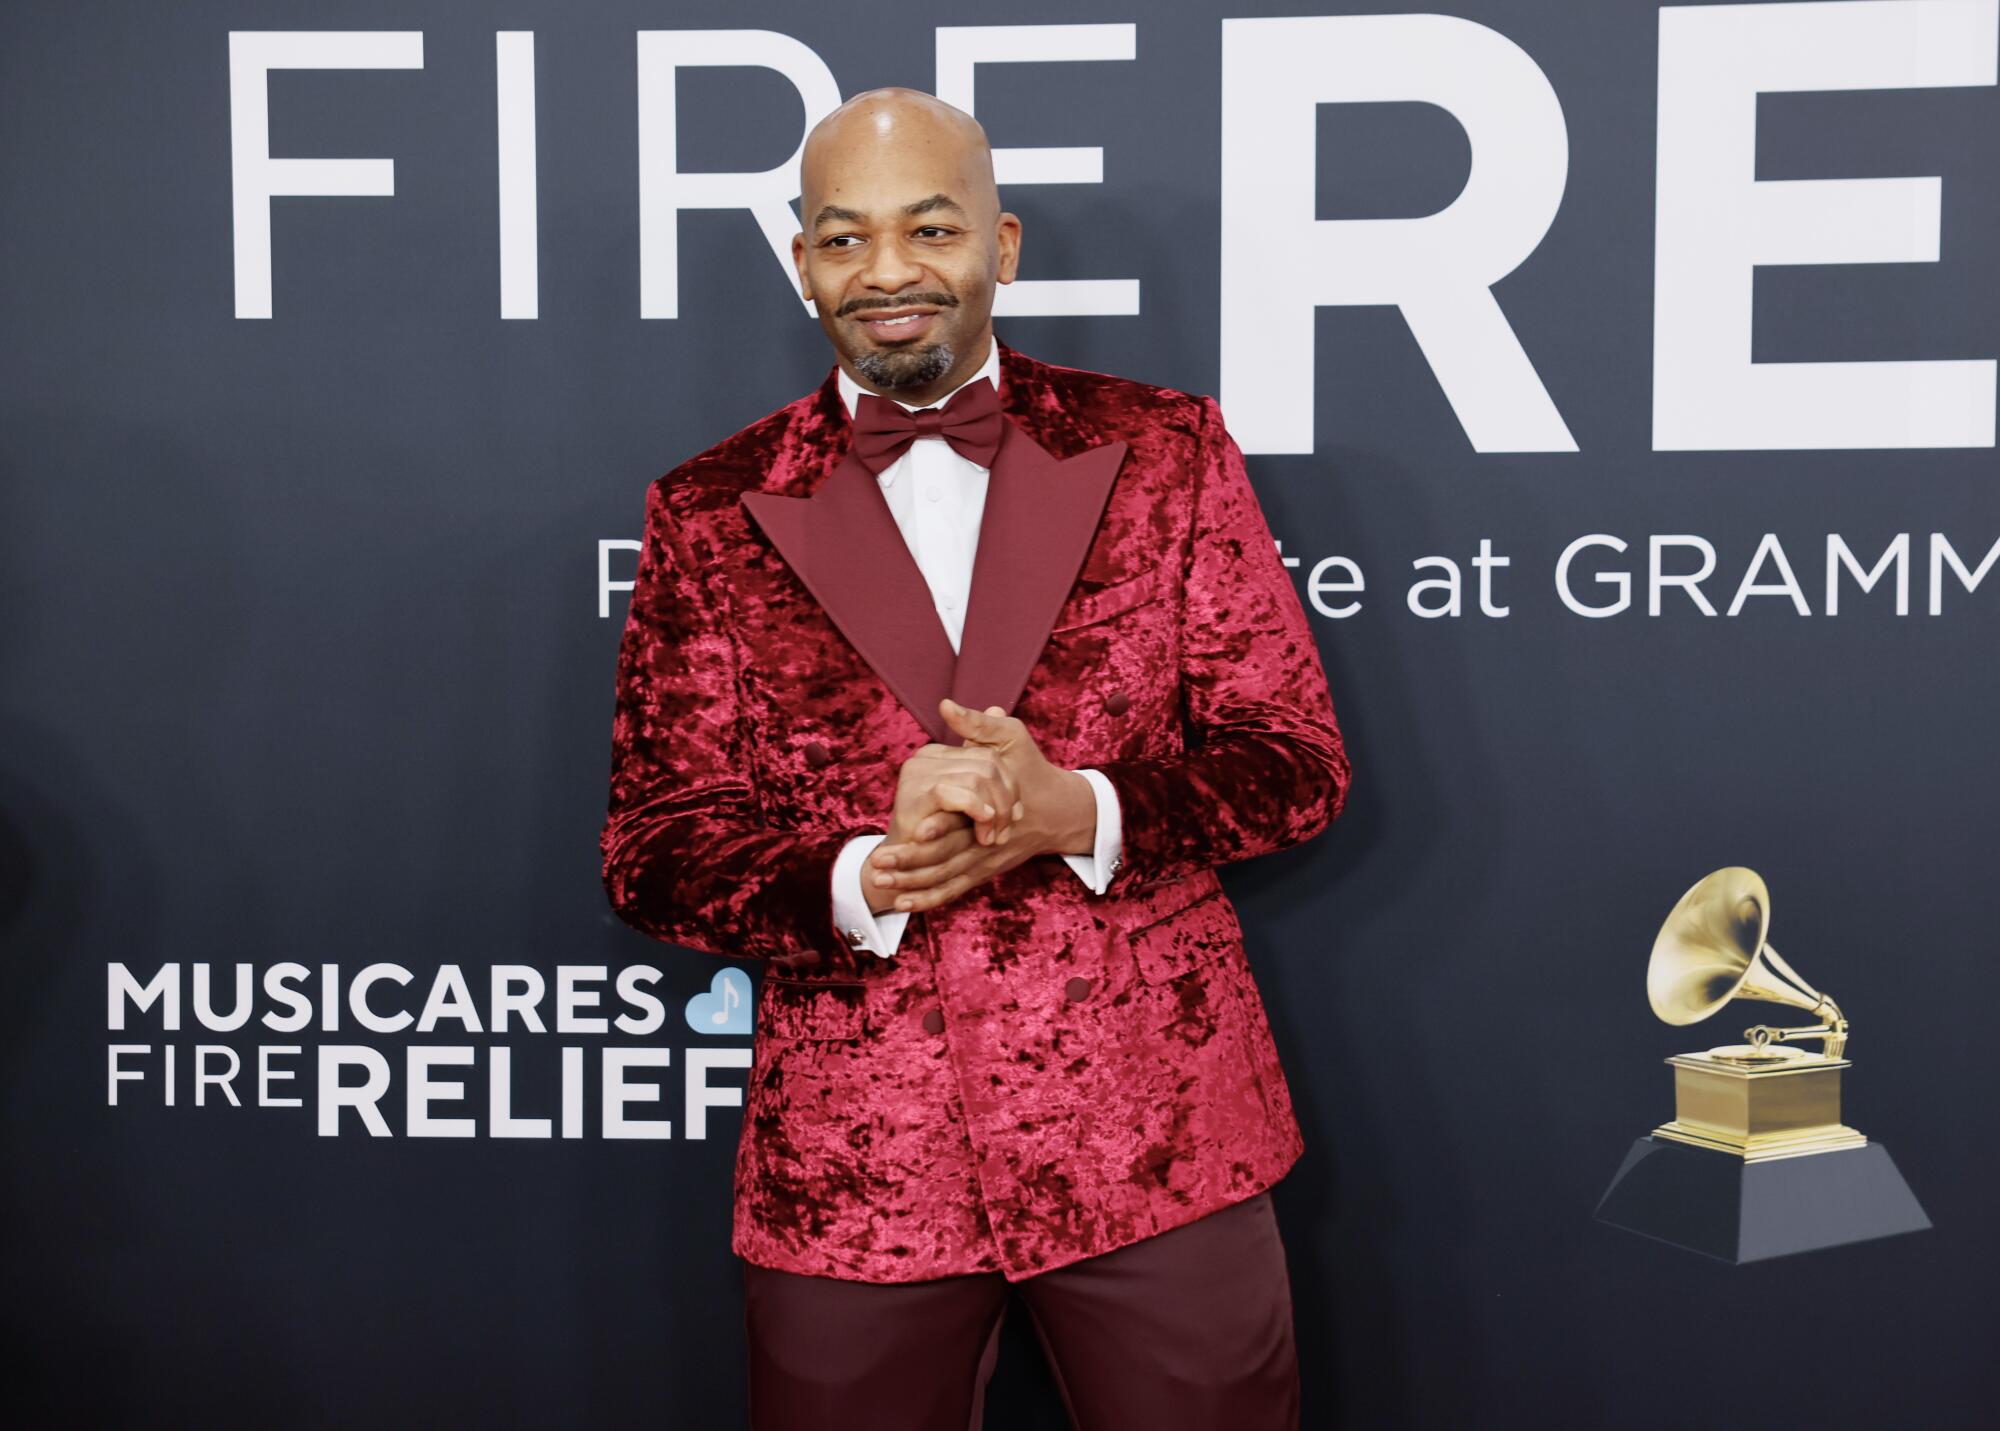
(1096, 868)
(879, 933)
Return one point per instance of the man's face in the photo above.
(901, 255)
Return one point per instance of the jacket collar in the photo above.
(834, 530)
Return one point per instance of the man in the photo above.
(946, 716)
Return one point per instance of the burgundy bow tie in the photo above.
(970, 422)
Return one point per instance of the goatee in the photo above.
(906, 367)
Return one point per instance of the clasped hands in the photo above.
(965, 813)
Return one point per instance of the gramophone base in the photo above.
(1757, 1147)
(1740, 1211)
(1779, 1104)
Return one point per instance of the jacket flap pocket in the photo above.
(812, 1008)
(1185, 924)
(1090, 607)
(1149, 906)
(1195, 934)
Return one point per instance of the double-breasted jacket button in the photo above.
(1076, 989)
(817, 754)
(934, 1021)
(1117, 703)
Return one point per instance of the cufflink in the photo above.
(1117, 860)
(856, 938)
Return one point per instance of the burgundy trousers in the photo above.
(1187, 1330)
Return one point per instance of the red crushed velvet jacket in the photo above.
(1040, 1074)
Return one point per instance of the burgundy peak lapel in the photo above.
(1040, 514)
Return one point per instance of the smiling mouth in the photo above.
(898, 326)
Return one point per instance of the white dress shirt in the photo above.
(937, 498)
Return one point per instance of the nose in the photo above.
(890, 268)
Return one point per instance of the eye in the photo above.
(938, 229)
(835, 240)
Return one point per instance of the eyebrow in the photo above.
(833, 213)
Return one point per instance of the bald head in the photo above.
(891, 128)
(904, 241)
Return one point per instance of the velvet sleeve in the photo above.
(1266, 766)
(687, 856)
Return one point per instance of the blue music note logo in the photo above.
(724, 1009)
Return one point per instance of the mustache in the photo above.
(906, 300)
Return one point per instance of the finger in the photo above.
(974, 868)
(940, 823)
(928, 832)
(888, 856)
(964, 861)
(1008, 801)
(980, 866)
(962, 794)
(914, 856)
(925, 756)
(991, 828)
(938, 894)
(976, 767)
(979, 727)
(985, 762)
(1009, 781)
(1001, 785)
(971, 760)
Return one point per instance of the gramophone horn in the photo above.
(1712, 949)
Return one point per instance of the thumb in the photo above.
(976, 726)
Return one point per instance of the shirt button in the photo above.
(950, 605)
(934, 493)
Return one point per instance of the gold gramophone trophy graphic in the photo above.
(1755, 1162)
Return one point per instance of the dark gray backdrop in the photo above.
(300, 659)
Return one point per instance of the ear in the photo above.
(1007, 233)
(799, 263)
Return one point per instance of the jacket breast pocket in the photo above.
(1090, 607)
(812, 1009)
